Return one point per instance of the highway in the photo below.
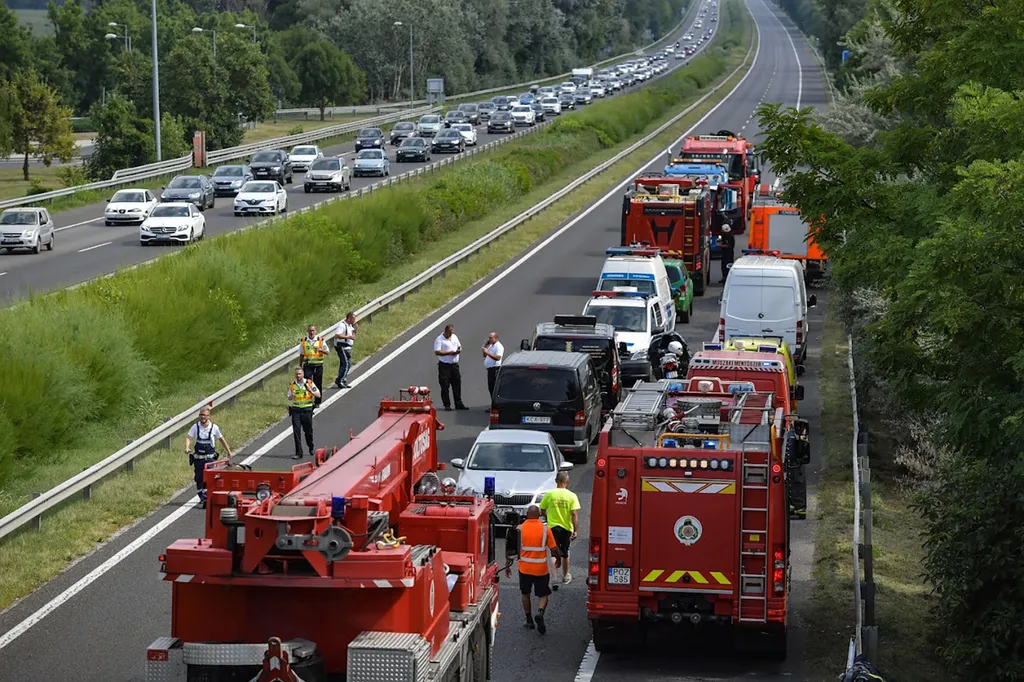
(94, 622)
(85, 248)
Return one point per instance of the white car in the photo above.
(551, 105)
(177, 222)
(261, 196)
(523, 115)
(468, 132)
(129, 206)
(567, 86)
(26, 228)
(596, 88)
(302, 157)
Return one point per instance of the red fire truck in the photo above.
(689, 519)
(674, 214)
(737, 155)
(351, 565)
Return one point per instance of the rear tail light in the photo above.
(779, 570)
(594, 570)
(721, 330)
(494, 416)
(581, 418)
(799, 333)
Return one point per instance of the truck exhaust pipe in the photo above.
(695, 618)
(676, 617)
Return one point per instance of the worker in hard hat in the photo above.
(535, 541)
(203, 436)
(301, 394)
(312, 351)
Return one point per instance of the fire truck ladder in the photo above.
(755, 463)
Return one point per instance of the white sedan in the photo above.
(467, 131)
(129, 206)
(261, 196)
(523, 115)
(177, 222)
(302, 157)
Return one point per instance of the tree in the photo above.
(193, 88)
(327, 75)
(39, 124)
(243, 69)
(15, 45)
(122, 138)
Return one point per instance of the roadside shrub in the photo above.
(115, 343)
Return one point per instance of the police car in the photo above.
(636, 317)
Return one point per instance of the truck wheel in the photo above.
(479, 655)
(617, 638)
(312, 669)
(698, 285)
(684, 316)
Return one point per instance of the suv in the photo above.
(272, 164)
(26, 228)
(550, 391)
(583, 334)
(472, 112)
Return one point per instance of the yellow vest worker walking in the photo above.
(301, 394)
(312, 351)
(562, 509)
(535, 539)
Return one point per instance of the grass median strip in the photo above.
(902, 600)
(31, 558)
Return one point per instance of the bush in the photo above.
(121, 332)
(297, 130)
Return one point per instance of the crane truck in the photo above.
(361, 565)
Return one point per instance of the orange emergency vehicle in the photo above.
(776, 228)
(763, 371)
(738, 157)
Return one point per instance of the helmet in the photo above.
(726, 228)
(675, 347)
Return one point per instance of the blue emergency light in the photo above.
(489, 486)
(712, 346)
(711, 445)
(631, 251)
(670, 443)
(338, 508)
(767, 363)
(676, 388)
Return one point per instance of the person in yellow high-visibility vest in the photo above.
(312, 351)
(301, 394)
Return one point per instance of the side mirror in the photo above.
(800, 369)
(458, 463)
(524, 344)
(565, 466)
(798, 393)
(812, 301)
(623, 348)
(107, 200)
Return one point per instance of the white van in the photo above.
(643, 268)
(765, 297)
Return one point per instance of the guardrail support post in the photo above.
(869, 640)
(87, 490)
(167, 441)
(37, 522)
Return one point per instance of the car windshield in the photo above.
(455, 114)
(643, 286)
(370, 154)
(304, 151)
(326, 165)
(259, 187)
(584, 91)
(549, 100)
(369, 132)
(596, 347)
(547, 384)
(20, 218)
(622, 318)
(184, 183)
(229, 171)
(511, 457)
(501, 116)
(487, 105)
(467, 127)
(521, 109)
(468, 108)
(675, 275)
(430, 119)
(166, 211)
(128, 197)
(414, 142)
(448, 133)
(404, 126)
(265, 157)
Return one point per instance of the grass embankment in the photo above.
(137, 340)
(902, 600)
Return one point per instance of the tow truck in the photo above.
(689, 518)
(777, 228)
(737, 156)
(360, 565)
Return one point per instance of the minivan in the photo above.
(643, 268)
(765, 297)
(550, 391)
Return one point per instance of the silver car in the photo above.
(26, 228)
(372, 162)
(429, 125)
(522, 463)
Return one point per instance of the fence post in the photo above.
(37, 522)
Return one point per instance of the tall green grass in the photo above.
(95, 353)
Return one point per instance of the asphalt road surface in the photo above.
(95, 622)
(85, 248)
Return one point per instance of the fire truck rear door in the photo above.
(787, 233)
(690, 535)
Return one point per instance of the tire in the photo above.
(38, 245)
(237, 214)
(618, 637)
(213, 203)
(305, 190)
(698, 285)
(107, 223)
(288, 180)
(143, 243)
(684, 316)
(49, 246)
(191, 237)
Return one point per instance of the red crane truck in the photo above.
(737, 155)
(689, 519)
(349, 567)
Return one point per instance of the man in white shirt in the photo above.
(343, 342)
(204, 435)
(447, 348)
(492, 352)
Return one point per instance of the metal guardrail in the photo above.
(865, 637)
(81, 484)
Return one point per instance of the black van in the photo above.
(550, 391)
(583, 334)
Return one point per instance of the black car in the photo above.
(472, 112)
(501, 122)
(448, 141)
(369, 138)
(501, 103)
(455, 117)
(272, 164)
(567, 100)
(485, 109)
(538, 111)
(551, 391)
(227, 180)
(401, 131)
(196, 189)
(413, 149)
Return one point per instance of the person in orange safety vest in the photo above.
(535, 542)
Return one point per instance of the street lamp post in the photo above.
(201, 30)
(412, 81)
(252, 26)
(126, 36)
(156, 86)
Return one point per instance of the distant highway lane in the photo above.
(94, 622)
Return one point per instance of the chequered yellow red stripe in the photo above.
(697, 577)
(679, 485)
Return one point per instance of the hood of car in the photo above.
(132, 207)
(369, 162)
(256, 196)
(635, 341)
(167, 221)
(182, 192)
(265, 164)
(229, 179)
(304, 158)
(368, 140)
(324, 175)
(521, 482)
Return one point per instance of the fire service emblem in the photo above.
(688, 530)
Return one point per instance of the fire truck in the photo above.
(674, 215)
(777, 229)
(360, 565)
(689, 518)
(737, 155)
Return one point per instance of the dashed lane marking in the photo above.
(90, 248)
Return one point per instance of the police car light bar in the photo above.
(620, 294)
(736, 363)
(576, 320)
(761, 252)
(631, 251)
(712, 346)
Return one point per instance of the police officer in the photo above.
(535, 541)
(447, 348)
(312, 351)
(301, 394)
(204, 436)
(727, 245)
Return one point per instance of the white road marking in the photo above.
(90, 248)
(2, 274)
(588, 666)
(84, 222)
(51, 606)
(799, 66)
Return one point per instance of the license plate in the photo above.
(11, 241)
(536, 420)
(321, 184)
(501, 511)
(619, 576)
(671, 375)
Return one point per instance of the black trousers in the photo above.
(302, 422)
(492, 376)
(344, 362)
(448, 374)
(726, 262)
(316, 374)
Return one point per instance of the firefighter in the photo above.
(727, 244)
(204, 436)
(301, 395)
(534, 540)
(312, 351)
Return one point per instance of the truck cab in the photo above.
(778, 228)
(636, 318)
(758, 371)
